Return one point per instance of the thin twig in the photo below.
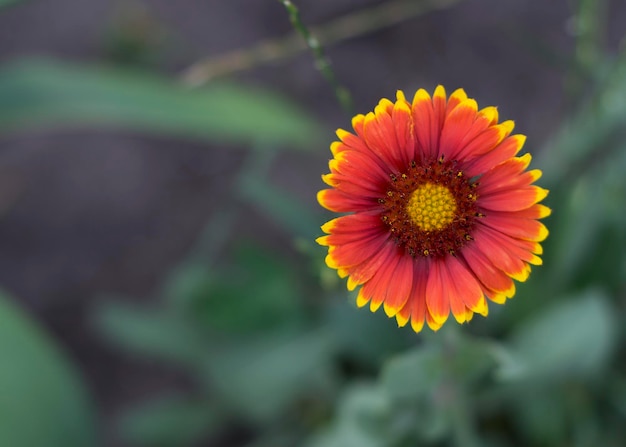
(356, 24)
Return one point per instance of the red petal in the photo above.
(421, 269)
(511, 225)
(340, 202)
(457, 125)
(491, 277)
(399, 288)
(509, 147)
(437, 300)
(512, 200)
(423, 122)
(489, 243)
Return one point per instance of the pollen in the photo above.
(431, 207)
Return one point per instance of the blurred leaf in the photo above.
(53, 94)
(171, 421)
(366, 338)
(5, 3)
(572, 339)
(264, 377)
(265, 294)
(594, 134)
(152, 333)
(42, 401)
(452, 356)
(363, 420)
(414, 374)
(540, 416)
(281, 206)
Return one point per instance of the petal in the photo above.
(437, 300)
(502, 258)
(423, 122)
(403, 123)
(457, 125)
(510, 224)
(492, 278)
(399, 288)
(537, 211)
(380, 137)
(464, 289)
(508, 148)
(439, 117)
(377, 286)
(356, 224)
(363, 272)
(512, 200)
(340, 202)
(505, 176)
(418, 293)
(483, 141)
(457, 97)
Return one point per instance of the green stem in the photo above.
(346, 27)
(323, 64)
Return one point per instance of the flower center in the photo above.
(431, 207)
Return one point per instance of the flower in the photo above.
(442, 213)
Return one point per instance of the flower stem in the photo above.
(323, 64)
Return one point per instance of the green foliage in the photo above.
(49, 94)
(574, 338)
(42, 402)
(170, 421)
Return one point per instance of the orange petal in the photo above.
(399, 287)
(527, 229)
(437, 300)
(457, 125)
(492, 278)
(457, 97)
(421, 270)
(500, 257)
(513, 200)
(403, 123)
(423, 122)
(508, 148)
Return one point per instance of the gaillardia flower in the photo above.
(442, 213)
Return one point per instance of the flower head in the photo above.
(443, 214)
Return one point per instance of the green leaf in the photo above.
(451, 356)
(574, 338)
(364, 419)
(280, 205)
(43, 402)
(415, 374)
(52, 94)
(262, 378)
(152, 333)
(213, 300)
(171, 421)
(365, 338)
(540, 414)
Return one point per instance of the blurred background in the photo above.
(161, 286)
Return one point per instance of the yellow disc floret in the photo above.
(431, 207)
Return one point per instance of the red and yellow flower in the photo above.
(443, 213)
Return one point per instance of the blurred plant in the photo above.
(43, 400)
(272, 344)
